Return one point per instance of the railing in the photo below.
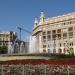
(29, 69)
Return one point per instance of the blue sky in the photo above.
(22, 12)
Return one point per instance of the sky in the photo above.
(22, 12)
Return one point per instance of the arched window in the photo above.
(44, 51)
(59, 50)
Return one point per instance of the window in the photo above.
(54, 50)
(60, 44)
(44, 33)
(70, 29)
(59, 31)
(53, 31)
(44, 46)
(59, 50)
(48, 32)
(44, 50)
(64, 23)
(44, 40)
(64, 35)
(70, 34)
(70, 22)
(48, 50)
(44, 37)
(59, 36)
(54, 36)
(49, 37)
(64, 30)
(71, 43)
(64, 50)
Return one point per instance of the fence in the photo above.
(42, 69)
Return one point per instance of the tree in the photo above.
(3, 49)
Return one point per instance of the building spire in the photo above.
(42, 17)
(35, 22)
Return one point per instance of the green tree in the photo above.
(3, 49)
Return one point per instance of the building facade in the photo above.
(6, 37)
(56, 34)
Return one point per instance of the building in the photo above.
(6, 37)
(56, 34)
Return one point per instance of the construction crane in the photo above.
(20, 29)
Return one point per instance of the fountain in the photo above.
(18, 47)
(10, 48)
(32, 45)
(22, 47)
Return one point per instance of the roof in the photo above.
(59, 18)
